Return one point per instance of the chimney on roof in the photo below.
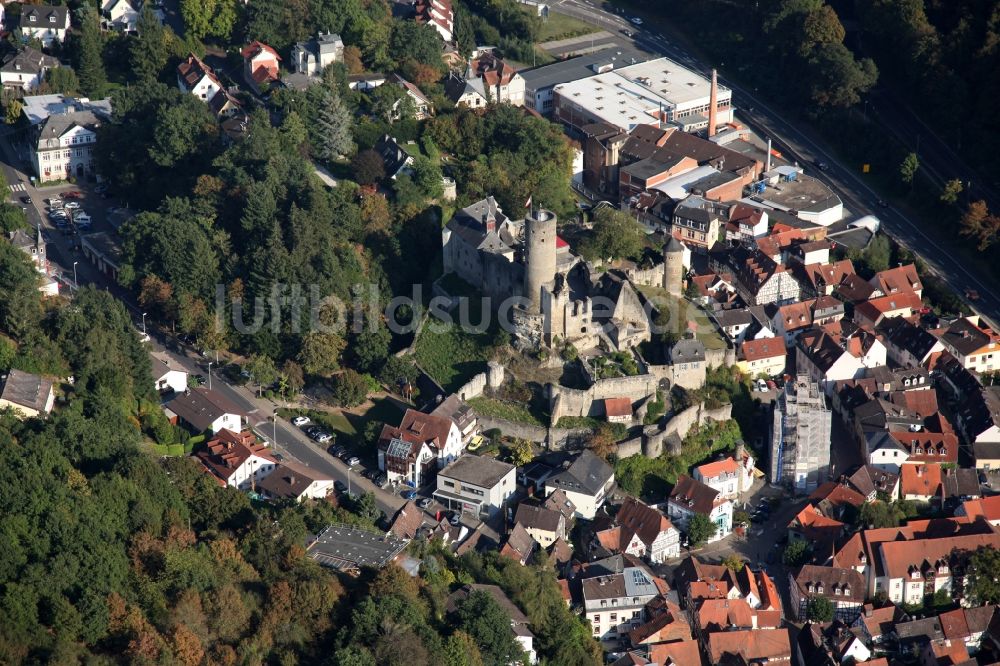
(713, 100)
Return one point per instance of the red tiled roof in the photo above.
(875, 308)
(712, 589)
(255, 47)
(225, 453)
(678, 653)
(618, 407)
(897, 280)
(720, 614)
(987, 507)
(837, 494)
(899, 556)
(192, 70)
(752, 645)
(714, 469)
(755, 350)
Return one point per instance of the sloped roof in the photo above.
(588, 474)
(201, 407)
(756, 350)
(290, 479)
(26, 390)
(536, 517)
(694, 495)
(711, 470)
(751, 645)
(643, 520)
(192, 70)
(836, 583)
(519, 544)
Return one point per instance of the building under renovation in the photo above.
(800, 436)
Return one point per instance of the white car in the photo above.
(82, 219)
(300, 421)
(636, 20)
(71, 204)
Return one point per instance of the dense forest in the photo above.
(111, 555)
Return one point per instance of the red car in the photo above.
(925, 310)
(72, 194)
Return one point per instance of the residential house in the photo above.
(973, 343)
(978, 417)
(519, 545)
(733, 322)
(201, 409)
(746, 223)
(65, 145)
(461, 414)
(930, 482)
(235, 459)
(559, 501)
(855, 289)
(543, 525)
(827, 357)
(476, 485)
(501, 82)
(642, 531)
(697, 221)
(870, 481)
(167, 375)
(688, 362)
(763, 357)
(423, 108)
(878, 624)
(395, 160)
(844, 588)
(987, 508)
(45, 23)
(26, 68)
(197, 78)
(290, 480)
(465, 92)
(586, 481)
(668, 624)
(731, 476)
(121, 15)
(871, 313)
(753, 645)
(821, 279)
(898, 280)
(967, 625)
(820, 531)
(27, 395)
(224, 105)
(689, 497)
(615, 604)
(987, 455)
(906, 343)
(439, 15)
(421, 443)
(312, 57)
(518, 621)
(760, 280)
(791, 319)
(260, 65)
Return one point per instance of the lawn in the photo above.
(560, 26)
(452, 356)
(501, 409)
(682, 311)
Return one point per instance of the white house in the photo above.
(615, 604)
(65, 145)
(236, 460)
(202, 409)
(843, 587)
(44, 23)
(167, 376)
(730, 476)
(121, 15)
(543, 525)
(645, 532)
(312, 57)
(197, 78)
(439, 15)
(828, 359)
(690, 497)
(289, 480)
(26, 69)
(476, 485)
(28, 395)
(587, 481)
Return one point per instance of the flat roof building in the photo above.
(349, 548)
(540, 82)
(648, 93)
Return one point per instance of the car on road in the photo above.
(972, 294)
(26, 199)
(410, 494)
(425, 502)
(881, 203)
(822, 166)
(627, 32)
(353, 461)
(340, 486)
(636, 20)
(300, 421)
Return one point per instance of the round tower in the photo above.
(540, 256)
(673, 267)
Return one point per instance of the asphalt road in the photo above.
(799, 143)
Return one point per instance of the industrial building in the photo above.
(800, 436)
(540, 82)
(648, 93)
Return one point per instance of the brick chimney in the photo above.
(713, 101)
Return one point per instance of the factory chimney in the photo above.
(767, 166)
(713, 101)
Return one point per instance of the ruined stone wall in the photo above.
(565, 401)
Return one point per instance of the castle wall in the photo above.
(565, 401)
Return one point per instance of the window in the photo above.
(448, 484)
(614, 617)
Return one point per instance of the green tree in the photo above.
(837, 78)
(489, 626)
(950, 191)
(151, 49)
(521, 454)
(320, 353)
(390, 103)
(616, 236)
(417, 42)
(428, 177)
(367, 167)
(208, 18)
(982, 585)
(93, 78)
(262, 370)
(62, 80)
(349, 389)
(700, 529)
(796, 553)
(12, 111)
(333, 128)
(908, 169)
(879, 514)
(734, 563)
(819, 609)
(370, 347)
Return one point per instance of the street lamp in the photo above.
(143, 324)
(274, 421)
(209, 375)
(76, 285)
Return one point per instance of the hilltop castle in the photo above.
(563, 297)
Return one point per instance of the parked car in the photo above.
(455, 519)
(381, 479)
(71, 204)
(424, 503)
(72, 194)
(323, 437)
(410, 494)
(636, 20)
(475, 442)
(101, 188)
(340, 486)
(354, 461)
(300, 421)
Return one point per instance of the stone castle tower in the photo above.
(673, 267)
(540, 255)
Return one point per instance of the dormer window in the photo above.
(819, 589)
(32, 18)
(836, 591)
(811, 588)
(847, 590)
(52, 19)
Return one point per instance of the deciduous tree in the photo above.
(700, 529)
